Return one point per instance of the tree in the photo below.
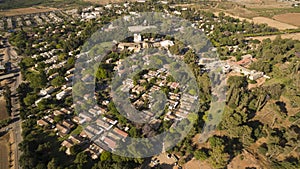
(52, 164)
(201, 155)
(105, 156)
(218, 158)
(81, 158)
(29, 99)
(58, 81)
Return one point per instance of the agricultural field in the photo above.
(273, 23)
(25, 11)
(290, 18)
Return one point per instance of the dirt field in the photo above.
(3, 113)
(244, 160)
(4, 151)
(24, 11)
(290, 18)
(196, 164)
(273, 23)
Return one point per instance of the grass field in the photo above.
(4, 151)
(3, 112)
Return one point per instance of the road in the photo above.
(11, 56)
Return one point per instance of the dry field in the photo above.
(196, 164)
(3, 113)
(273, 23)
(4, 151)
(244, 160)
(25, 11)
(290, 18)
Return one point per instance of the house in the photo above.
(46, 91)
(75, 139)
(100, 122)
(138, 104)
(166, 43)
(113, 122)
(138, 89)
(254, 75)
(226, 69)
(66, 111)
(85, 117)
(43, 122)
(58, 112)
(246, 60)
(111, 143)
(94, 150)
(174, 85)
(68, 124)
(76, 119)
(123, 134)
(62, 129)
(93, 130)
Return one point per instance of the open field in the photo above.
(24, 11)
(273, 23)
(290, 18)
(3, 113)
(4, 151)
(196, 164)
(244, 160)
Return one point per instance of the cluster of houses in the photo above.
(144, 43)
(99, 128)
(231, 65)
(179, 105)
(30, 20)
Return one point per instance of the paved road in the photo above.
(11, 56)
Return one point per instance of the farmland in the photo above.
(273, 23)
(24, 11)
(290, 18)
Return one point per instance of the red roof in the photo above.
(120, 132)
(111, 143)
